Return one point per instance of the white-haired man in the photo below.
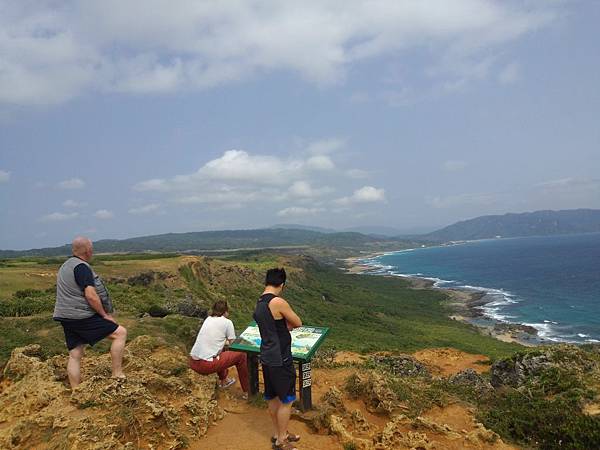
(84, 309)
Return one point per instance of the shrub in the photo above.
(158, 311)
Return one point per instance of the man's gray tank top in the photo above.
(70, 299)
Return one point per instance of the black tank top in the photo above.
(276, 341)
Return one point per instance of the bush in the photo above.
(158, 311)
(542, 422)
(26, 303)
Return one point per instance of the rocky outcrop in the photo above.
(161, 404)
(472, 380)
(528, 366)
(400, 365)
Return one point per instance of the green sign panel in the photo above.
(305, 340)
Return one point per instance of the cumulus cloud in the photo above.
(4, 176)
(242, 168)
(366, 194)
(73, 204)
(241, 179)
(103, 214)
(58, 217)
(320, 162)
(146, 209)
(299, 211)
(454, 165)
(52, 52)
(72, 183)
(305, 190)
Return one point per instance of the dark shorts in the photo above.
(280, 382)
(86, 331)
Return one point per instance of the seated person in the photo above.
(207, 355)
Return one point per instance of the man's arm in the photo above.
(284, 308)
(94, 301)
(85, 280)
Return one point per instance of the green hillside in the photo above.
(216, 241)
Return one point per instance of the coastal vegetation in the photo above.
(533, 397)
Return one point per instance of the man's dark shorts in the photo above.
(86, 331)
(280, 382)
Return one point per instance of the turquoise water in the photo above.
(551, 283)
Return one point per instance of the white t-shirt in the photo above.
(211, 337)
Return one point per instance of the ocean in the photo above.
(550, 283)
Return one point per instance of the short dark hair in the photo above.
(275, 277)
(219, 308)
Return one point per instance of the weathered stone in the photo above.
(401, 365)
(102, 412)
(471, 379)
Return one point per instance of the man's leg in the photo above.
(283, 418)
(274, 405)
(74, 365)
(118, 337)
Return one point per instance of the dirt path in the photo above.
(247, 427)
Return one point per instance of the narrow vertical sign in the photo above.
(305, 385)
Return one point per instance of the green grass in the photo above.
(370, 313)
(365, 313)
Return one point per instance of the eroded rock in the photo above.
(161, 400)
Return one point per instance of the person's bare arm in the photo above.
(284, 308)
(94, 301)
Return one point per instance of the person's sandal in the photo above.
(285, 445)
(290, 438)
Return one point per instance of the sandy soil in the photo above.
(248, 427)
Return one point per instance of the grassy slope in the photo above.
(365, 313)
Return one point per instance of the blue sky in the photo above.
(122, 119)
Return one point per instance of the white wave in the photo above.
(592, 340)
(581, 335)
(551, 321)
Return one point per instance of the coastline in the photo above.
(465, 305)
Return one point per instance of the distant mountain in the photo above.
(211, 241)
(375, 230)
(538, 223)
(295, 226)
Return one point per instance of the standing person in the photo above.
(83, 307)
(207, 355)
(275, 318)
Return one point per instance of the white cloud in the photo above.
(299, 211)
(103, 214)
(52, 52)
(366, 194)
(320, 162)
(73, 183)
(509, 74)
(304, 189)
(4, 176)
(454, 165)
(146, 209)
(73, 204)
(58, 217)
(241, 167)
